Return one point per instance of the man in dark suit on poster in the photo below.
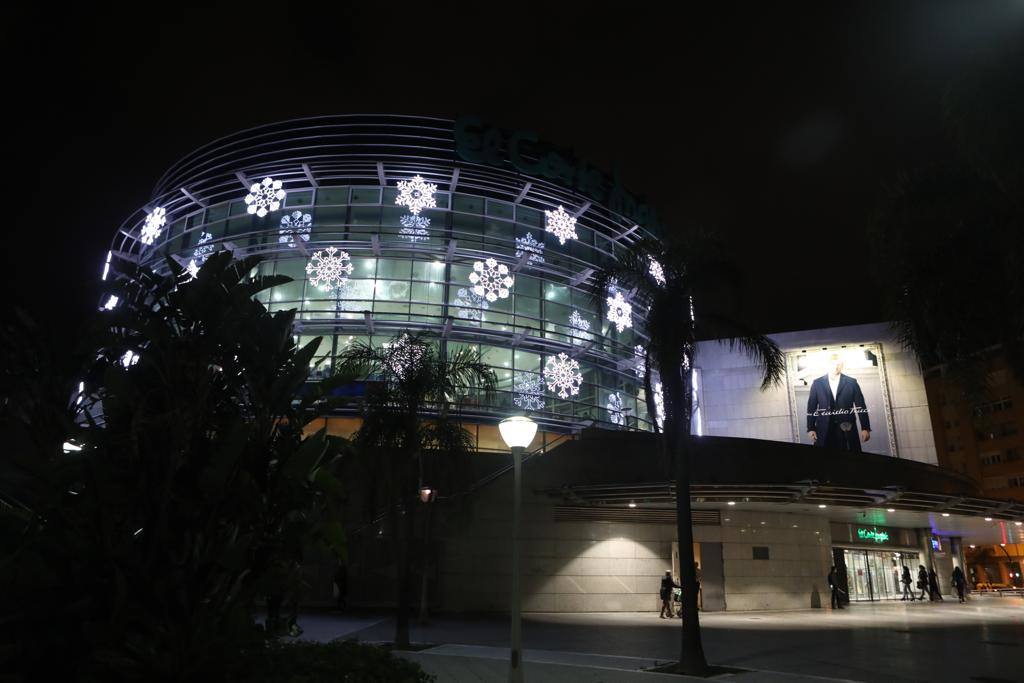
(833, 408)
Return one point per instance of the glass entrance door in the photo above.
(875, 574)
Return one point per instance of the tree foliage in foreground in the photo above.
(411, 434)
(195, 492)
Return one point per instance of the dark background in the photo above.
(777, 123)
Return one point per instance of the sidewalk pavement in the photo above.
(481, 664)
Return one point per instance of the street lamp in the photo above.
(517, 432)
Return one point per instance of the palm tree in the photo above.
(410, 416)
(669, 276)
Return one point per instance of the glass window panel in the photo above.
(531, 218)
(332, 195)
(427, 292)
(394, 269)
(430, 271)
(392, 290)
(464, 203)
(365, 195)
(242, 224)
(365, 216)
(216, 213)
(299, 198)
(500, 209)
(239, 208)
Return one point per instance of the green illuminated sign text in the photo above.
(872, 535)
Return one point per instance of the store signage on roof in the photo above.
(873, 534)
(479, 143)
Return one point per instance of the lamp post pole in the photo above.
(518, 433)
(515, 671)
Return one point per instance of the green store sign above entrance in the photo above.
(480, 143)
(873, 535)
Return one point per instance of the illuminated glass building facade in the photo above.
(391, 224)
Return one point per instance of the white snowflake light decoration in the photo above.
(265, 197)
(580, 328)
(657, 272)
(639, 355)
(620, 312)
(614, 406)
(528, 392)
(530, 245)
(491, 280)
(295, 224)
(129, 358)
(106, 265)
(111, 303)
(470, 304)
(414, 228)
(403, 355)
(659, 405)
(416, 194)
(199, 256)
(562, 375)
(154, 225)
(329, 270)
(561, 224)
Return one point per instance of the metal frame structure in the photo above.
(367, 153)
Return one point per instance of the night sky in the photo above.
(777, 123)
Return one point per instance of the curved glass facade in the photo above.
(412, 272)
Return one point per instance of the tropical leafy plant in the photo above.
(191, 487)
(682, 279)
(411, 428)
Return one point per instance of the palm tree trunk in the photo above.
(677, 424)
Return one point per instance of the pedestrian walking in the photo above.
(833, 586)
(922, 581)
(959, 582)
(906, 580)
(667, 585)
(933, 586)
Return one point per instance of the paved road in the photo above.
(981, 641)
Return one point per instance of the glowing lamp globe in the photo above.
(517, 431)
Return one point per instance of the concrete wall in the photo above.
(800, 551)
(594, 566)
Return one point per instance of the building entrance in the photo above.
(875, 574)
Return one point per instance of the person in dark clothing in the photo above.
(959, 582)
(667, 584)
(922, 581)
(906, 580)
(933, 586)
(833, 586)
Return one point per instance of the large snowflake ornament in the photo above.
(154, 225)
(491, 280)
(656, 271)
(416, 194)
(639, 361)
(294, 225)
(579, 328)
(414, 228)
(614, 406)
(530, 245)
(403, 356)
(620, 312)
(329, 270)
(561, 224)
(265, 196)
(562, 375)
(470, 304)
(528, 392)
